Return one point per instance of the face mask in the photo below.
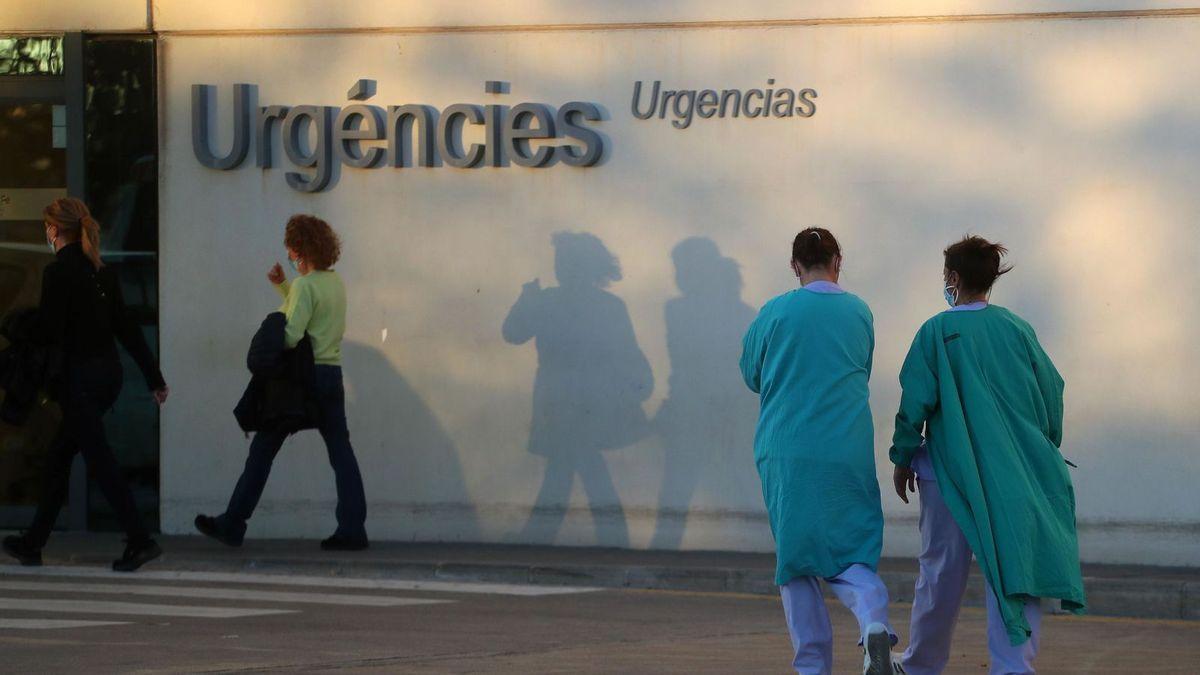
(50, 242)
(951, 295)
(295, 263)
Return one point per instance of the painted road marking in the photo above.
(136, 608)
(47, 624)
(297, 580)
(220, 594)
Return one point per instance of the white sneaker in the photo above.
(877, 651)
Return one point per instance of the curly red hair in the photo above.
(313, 240)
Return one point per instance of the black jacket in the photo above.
(281, 395)
(79, 320)
(27, 367)
(83, 314)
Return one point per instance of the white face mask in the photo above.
(50, 242)
(951, 295)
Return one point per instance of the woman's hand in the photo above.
(276, 276)
(160, 395)
(904, 478)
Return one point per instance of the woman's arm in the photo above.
(129, 334)
(871, 349)
(1051, 385)
(918, 399)
(298, 307)
(754, 347)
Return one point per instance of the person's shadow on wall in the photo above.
(707, 422)
(401, 439)
(591, 381)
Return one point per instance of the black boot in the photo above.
(211, 527)
(137, 553)
(339, 543)
(20, 548)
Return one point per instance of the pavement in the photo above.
(1129, 591)
(166, 619)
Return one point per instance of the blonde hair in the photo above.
(73, 219)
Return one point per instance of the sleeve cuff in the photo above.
(901, 458)
(155, 381)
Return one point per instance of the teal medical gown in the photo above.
(990, 401)
(808, 356)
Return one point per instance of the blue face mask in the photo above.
(951, 295)
(294, 263)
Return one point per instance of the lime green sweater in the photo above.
(316, 304)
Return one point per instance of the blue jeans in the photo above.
(352, 502)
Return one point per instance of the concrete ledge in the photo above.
(1191, 601)
(1113, 590)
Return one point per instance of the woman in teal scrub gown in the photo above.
(808, 356)
(988, 400)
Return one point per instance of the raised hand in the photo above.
(275, 275)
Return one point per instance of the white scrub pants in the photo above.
(945, 562)
(859, 588)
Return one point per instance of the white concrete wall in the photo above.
(217, 15)
(238, 15)
(1075, 142)
(74, 15)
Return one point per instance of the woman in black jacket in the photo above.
(82, 314)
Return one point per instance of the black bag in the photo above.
(27, 369)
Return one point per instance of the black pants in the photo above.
(351, 501)
(90, 390)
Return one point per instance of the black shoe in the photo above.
(23, 551)
(339, 543)
(136, 555)
(210, 527)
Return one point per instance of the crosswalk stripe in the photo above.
(265, 578)
(220, 594)
(135, 608)
(48, 624)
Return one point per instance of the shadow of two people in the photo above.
(592, 380)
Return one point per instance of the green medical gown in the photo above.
(808, 356)
(993, 404)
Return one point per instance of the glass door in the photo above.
(33, 172)
(78, 116)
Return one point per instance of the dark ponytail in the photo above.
(977, 262)
(815, 247)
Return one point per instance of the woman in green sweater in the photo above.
(315, 304)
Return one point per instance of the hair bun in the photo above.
(815, 247)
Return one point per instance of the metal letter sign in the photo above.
(366, 136)
(685, 104)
